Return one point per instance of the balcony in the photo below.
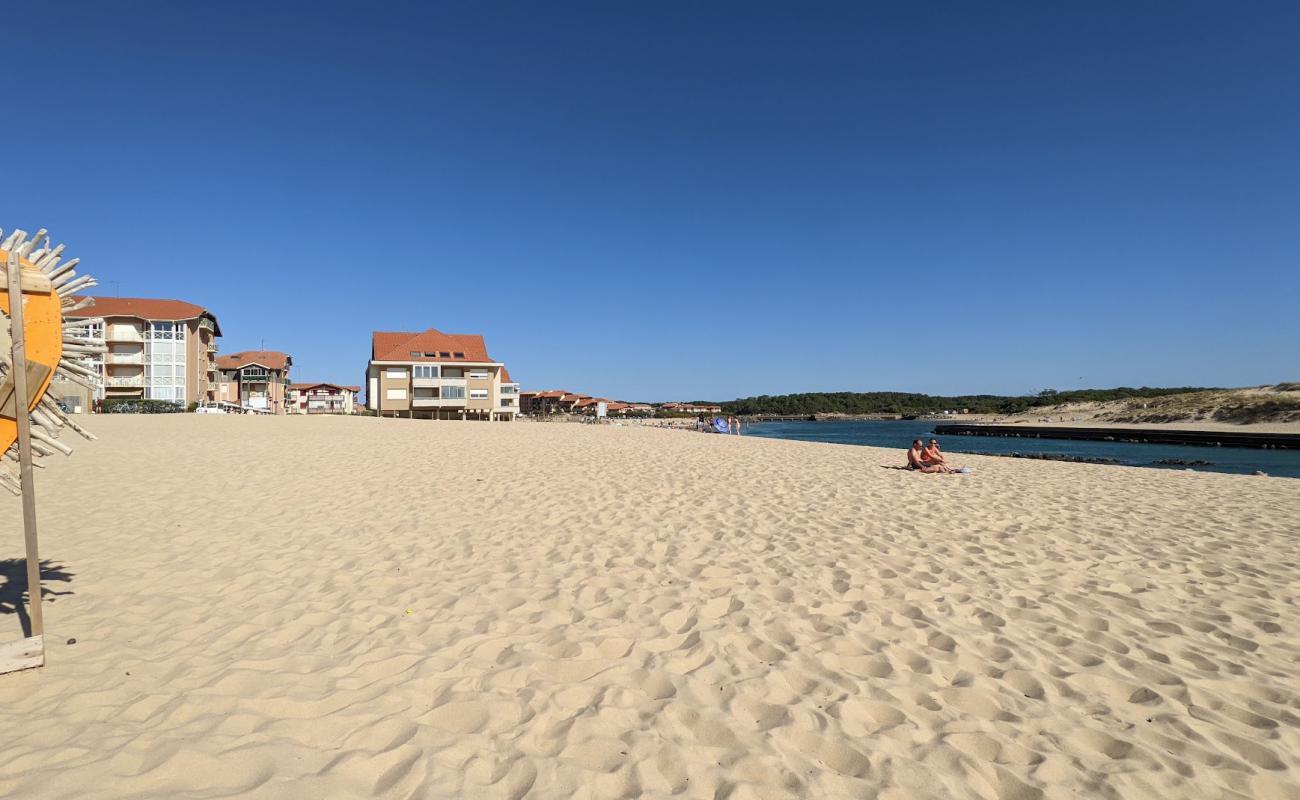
(437, 402)
(125, 380)
(122, 333)
(124, 358)
(212, 347)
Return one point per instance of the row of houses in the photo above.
(166, 350)
(562, 402)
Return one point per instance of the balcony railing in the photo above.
(124, 380)
(212, 347)
(124, 358)
(121, 333)
(436, 402)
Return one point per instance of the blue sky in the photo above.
(689, 200)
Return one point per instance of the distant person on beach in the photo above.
(733, 424)
(916, 461)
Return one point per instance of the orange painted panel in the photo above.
(43, 326)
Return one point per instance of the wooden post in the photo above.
(22, 416)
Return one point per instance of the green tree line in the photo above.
(910, 403)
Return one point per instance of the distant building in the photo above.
(322, 398)
(561, 402)
(157, 350)
(255, 379)
(435, 375)
(692, 408)
(545, 402)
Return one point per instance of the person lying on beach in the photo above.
(916, 462)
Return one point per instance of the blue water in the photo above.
(899, 435)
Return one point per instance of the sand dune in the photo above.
(338, 608)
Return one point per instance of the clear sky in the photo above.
(657, 201)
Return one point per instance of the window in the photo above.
(478, 394)
(415, 354)
(424, 371)
(395, 374)
(453, 372)
(426, 393)
(445, 354)
(509, 388)
(480, 373)
(457, 355)
(395, 394)
(254, 375)
(164, 362)
(164, 330)
(432, 355)
(453, 393)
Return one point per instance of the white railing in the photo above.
(125, 358)
(125, 380)
(122, 333)
(432, 402)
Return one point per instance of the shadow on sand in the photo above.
(13, 587)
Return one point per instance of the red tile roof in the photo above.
(146, 308)
(271, 359)
(301, 386)
(398, 346)
(505, 375)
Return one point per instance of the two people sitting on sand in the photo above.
(927, 459)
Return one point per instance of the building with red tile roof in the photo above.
(434, 375)
(322, 398)
(157, 350)
(255, 379)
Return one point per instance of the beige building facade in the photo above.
(435, 375)
(157, 350)
(322, 398)
(255, 380)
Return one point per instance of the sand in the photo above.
(330, 607)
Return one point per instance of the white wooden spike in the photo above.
(84, 282)
(64, 267)
(50, 260)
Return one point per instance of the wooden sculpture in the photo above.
(36, 295)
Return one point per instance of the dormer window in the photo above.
(458, 355)
(415, 354)
(445, 354)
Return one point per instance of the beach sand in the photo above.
(353, 607)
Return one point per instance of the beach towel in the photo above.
(720, 425)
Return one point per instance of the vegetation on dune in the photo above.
(909, 403)
(1279, 403)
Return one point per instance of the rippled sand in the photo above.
(304, 608)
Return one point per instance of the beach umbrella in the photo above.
(38, 292)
